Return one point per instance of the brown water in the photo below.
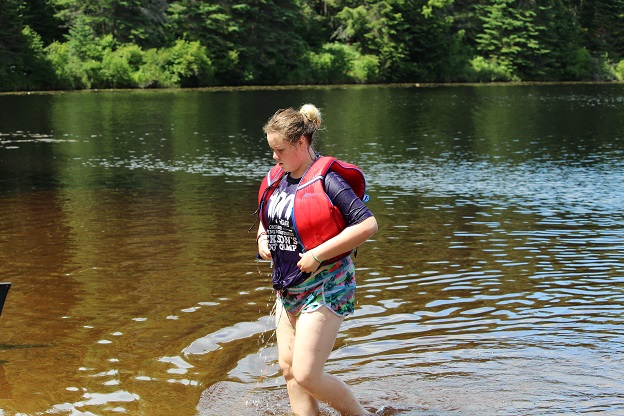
(495, 285)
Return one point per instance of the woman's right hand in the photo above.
(264, 251)
(263, 248)
(263, 243)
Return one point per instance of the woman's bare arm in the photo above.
(348, 239)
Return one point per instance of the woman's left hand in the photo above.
(307, 263)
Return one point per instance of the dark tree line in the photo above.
(75, 44)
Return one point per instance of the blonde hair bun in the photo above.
(311, 113)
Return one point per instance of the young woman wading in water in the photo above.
(308, 229)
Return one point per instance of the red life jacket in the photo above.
(315, 217)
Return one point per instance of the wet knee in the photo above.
(305, 378)
(286, 369)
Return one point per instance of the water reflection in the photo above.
(494, 285)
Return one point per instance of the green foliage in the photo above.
(329, 65)
(128, 21)
(435, 42)
(188, 64)
(619, 71)
(374, 30)
(11, 42)
(562, 40)
(603, 21)
(365, 69)
(151, 73)
(40, 16)
(67, 67)
(213, 25)
(340, 63)
(120, 65)
(74, 44)
(35, 65)
(579, 66)
(270, 45)
(23, 64)
(604, 68)
(110, 65)
(511, 37)
(483, 70)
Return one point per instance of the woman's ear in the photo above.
(301, 142)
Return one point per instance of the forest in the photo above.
(96, 44)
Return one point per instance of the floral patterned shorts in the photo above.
(334, 287)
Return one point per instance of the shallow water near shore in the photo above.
(495, 285)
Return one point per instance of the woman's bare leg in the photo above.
(301, 402)
(315, 337)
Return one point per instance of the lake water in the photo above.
(495, 285)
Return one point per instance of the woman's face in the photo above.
(288, 156)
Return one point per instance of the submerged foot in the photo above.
(388, 411)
